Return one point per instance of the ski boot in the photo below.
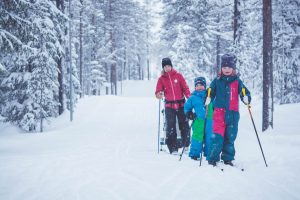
(213, 163)
(228, 162)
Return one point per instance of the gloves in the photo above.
(159, 95)
(246, 100)
(207, 101)
(190, 115)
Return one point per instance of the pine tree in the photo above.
(30, 88)
(192, 30)
(60, 4)
(286, 51)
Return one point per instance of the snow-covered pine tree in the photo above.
(43, 84)
(33, 60)
(174, 35)
(248, 48)
(60, 4)
(125, 30)
(91, 45)
(220, 28)
(71, 56)
(96, 29)
(149, 23)
(138, 39)
(286, 51)
(13, 43)
(97, 77)
(190, 32)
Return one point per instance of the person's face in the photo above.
(167, 68)
(199, 87)
(227, 71)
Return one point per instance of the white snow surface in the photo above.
(109, 152)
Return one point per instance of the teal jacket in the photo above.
(225, 92)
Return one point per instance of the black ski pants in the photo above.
(171, 134)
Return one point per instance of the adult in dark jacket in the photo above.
(173, 87)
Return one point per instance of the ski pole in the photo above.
(206, 110)
(248, 105)
(201, 153)
(163, 138)
(184, 145)
(158, 137)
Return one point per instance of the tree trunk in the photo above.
(148, 64)
(129, 71)
(236, 22)
(60, 87)
(267, 62)
(214, 72)
(113, 67)
(147, 35)
(60, 5)
(141, 77)
(113, 70)
(125, 58)
(81, 49)
(70, 63)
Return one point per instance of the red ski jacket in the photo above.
(174, 87)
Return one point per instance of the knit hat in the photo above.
(200, 80)
(166, 61)
(228, 60)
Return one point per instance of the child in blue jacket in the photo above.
(196, 103)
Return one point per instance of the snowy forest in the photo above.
(55, 52)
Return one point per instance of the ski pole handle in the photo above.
(244, 91)
(208, 99)
(244, 94)
(208, 92)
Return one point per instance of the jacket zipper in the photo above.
(231, 93)
(172, 87)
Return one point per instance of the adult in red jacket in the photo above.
(173, 87)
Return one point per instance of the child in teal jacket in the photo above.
(225, 92)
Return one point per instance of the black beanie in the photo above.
(200, 80)
(166, 61)
(228, 60)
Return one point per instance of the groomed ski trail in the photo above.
(109, 151)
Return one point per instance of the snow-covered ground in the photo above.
(109, 152)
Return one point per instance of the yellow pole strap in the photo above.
(208, 92)
(244, 91)
(244, 94)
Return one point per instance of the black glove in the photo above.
(190, 115)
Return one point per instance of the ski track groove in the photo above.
(181, 185)
(284, 188)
